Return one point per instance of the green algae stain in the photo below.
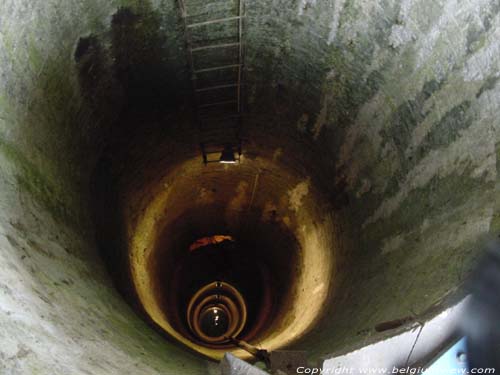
(489, 84)
(447, 130)
(440, 195)
(32, 180)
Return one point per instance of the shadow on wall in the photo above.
(126, 80)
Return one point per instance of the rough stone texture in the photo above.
(416, 129)
(59, 312)
(385, 112)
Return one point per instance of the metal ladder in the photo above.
(213, 30)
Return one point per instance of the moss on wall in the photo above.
(389, 108)
(60, 311)
(61, 204)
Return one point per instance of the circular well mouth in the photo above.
(277, 259)
(214, 321)
(216, 313)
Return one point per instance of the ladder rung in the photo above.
(218, 118)
(213, 21)
(222, 67)
(211, 127)
(217, 87)
(216, 145)
(218, 103)
(214, 46)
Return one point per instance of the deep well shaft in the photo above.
(365, 176)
